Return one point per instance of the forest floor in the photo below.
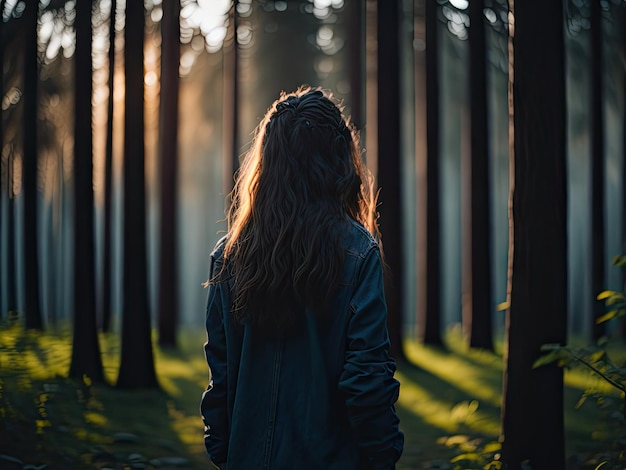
(449, 406)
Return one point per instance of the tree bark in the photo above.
(32, 305)
(356, 44)
(107, 252)
(11, 270)
(86, 359)
(10, 258)
(598, 250)
(137, 361)
(11, 273)
(429, 289)
(230, 105)
(6, 166)
(624, 161)
(532, 411)
(389, 180)
(477, 303)
(168, 158)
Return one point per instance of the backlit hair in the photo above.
(299, 184)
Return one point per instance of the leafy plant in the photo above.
(615, 301)
(475, 453)
(598, 361)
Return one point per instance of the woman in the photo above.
(297, 341)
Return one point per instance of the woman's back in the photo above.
(319, 398)
(296, 315)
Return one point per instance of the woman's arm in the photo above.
(367, 379)
(213, 406)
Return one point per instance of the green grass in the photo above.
(449, 403)
(47, 418)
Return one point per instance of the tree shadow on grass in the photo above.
(431, 410)
(436, 400)
(66, 424)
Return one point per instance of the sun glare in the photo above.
(460, 4)
(151, 78)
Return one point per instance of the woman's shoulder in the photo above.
(218, 249)
(216, 260)
(358, 240)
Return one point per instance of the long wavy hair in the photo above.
(299, 184)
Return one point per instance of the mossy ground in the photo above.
(449, 404)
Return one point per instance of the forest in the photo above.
(496, 133)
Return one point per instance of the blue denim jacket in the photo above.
(322, 398)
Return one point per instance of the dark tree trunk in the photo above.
(624, 161)
(10, 259)
(32, 306)
(137, 360)
(389, 178)
(6, 166)
(53, 261)
(477, 304)
(598, 251)
(107, 251)
(230, 105)
(356, 43)
(168, 157)
(86, 358)
(429, 290)
(532, 411)
(11, 271)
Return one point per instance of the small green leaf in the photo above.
(557, 355)
(615, 299)
(612, 371)
(619, 260)
(607, 316)
(492, 447)
(601, 465)
(87, 380)
(456, 440)
(596, 356)
(605, 294)
(470, 456)
(503, 306)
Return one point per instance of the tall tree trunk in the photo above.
(4, 274)
(10, 259)
(356, 45)
(86, 358)
(11, 270)
(60, 230)
(168, 153)
(107, 251)
(623, 252)
(32, 306)
(477, 303)
(137, 360)
(230, 106)
(429, 289)
(532, 411)
(6, 166)
(598, 251)
(52, 261)
(389, 179)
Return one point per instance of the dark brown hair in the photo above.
(298, 186)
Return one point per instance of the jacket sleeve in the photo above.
(367, 378)
(213, 405)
